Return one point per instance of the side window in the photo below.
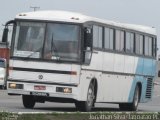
(146, 43)
(139, 44)
(108, 38)
(122, 41)
(97, 36)
(129, 42)
(148, 46)
(111, 36)
(154, 47)
(100, 37)
(119, 40)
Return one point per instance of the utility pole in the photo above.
(34, 8)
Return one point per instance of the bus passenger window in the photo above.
(146, 51)
(139, 44)
(154, 47)
(129, 42)
(150, 46)
(97, 36)
(119, 40)
(108, 38)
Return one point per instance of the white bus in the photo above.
(65, 57)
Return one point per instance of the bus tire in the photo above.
(28, 101)
(134, 105)
(87, 106)
(4, 87)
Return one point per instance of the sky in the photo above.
(143, 12)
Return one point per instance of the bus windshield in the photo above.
(47, 41)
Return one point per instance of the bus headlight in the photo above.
(67, 90)
(15, 86)
(12, 85)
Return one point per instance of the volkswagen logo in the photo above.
(40, 77)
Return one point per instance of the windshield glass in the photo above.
(49, 41)
(29, 39)
(62, 42)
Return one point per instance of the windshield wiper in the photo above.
(54, 49)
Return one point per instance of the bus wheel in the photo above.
(134, 105)
(4, 87)
(87, 105)
(28, 101)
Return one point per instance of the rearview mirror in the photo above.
(6, 30)
(87, 45)
(87, 37)
(5, 34)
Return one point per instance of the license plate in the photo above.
(38, 87)
(39, 94)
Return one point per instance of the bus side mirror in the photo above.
(87, 45)
(6, 30)
(87, 38)
(5, 34)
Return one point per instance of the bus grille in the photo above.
(149, 88)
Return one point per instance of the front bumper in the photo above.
(29, 89)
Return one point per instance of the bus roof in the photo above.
(66, 16)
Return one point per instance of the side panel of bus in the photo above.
(117, 76)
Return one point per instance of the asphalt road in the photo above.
(14, 104)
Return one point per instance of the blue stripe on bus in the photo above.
(154, 71)
(148, 67)
(145, 67)
(139, 68)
